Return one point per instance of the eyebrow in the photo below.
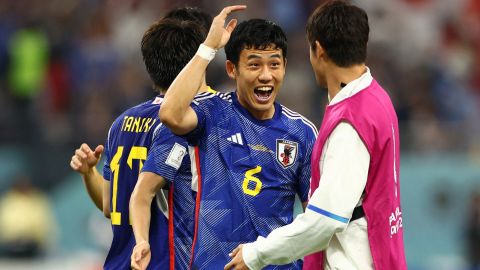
(257, 56)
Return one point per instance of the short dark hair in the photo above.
(342, 30)
(193, 14)
(256, 34)
(167, 46)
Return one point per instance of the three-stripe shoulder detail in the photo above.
(294, 115)
(208, 95)
(225, 96)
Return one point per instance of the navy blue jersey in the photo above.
(169, 158)
(129, 141)
(249, 171)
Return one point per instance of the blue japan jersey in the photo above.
(129, 141)
(169, 158)
(249, 171)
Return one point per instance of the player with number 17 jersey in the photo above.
(248, 173)
(128, 143)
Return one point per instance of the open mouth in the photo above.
(263, 93)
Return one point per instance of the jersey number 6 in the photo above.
(250, 178)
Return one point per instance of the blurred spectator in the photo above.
(26, 220)
(28, 60)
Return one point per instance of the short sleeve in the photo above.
(166, 154)
(107, 154)
(194, 136)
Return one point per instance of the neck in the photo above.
(337, 76)
(263, 115)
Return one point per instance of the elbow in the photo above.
(106, 208)
(169, 118)
(106, 213)
(166, 116)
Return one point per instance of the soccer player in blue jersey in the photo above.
(251, 154)
(131, 137)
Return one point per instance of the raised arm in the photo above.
(175, 111)
(140, 202)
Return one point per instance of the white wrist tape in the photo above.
(206, 52)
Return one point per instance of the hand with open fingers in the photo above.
(219, 34)
(85, 158)
(141, 256)
(237, 263)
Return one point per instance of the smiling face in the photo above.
(259, 76)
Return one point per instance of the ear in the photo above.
(231, 69)
(319, 51)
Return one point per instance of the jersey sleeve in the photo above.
(303, 186)
(166, 154)
(107, 154)
(205, 111)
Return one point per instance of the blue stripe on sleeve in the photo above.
(328, 214)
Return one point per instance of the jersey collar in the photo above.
(353, 87)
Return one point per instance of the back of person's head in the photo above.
(167, 46)
(255, 34)
(342, 30)
(193, 14)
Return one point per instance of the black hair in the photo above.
(342, 30)
(256, 34)
(193, 14)
(167, 46)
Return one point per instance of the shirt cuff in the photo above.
(250, 256)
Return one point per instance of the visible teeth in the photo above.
(265, 88)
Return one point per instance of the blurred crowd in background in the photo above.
(69, 67)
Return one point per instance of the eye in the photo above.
(253, 65)
(275, 64)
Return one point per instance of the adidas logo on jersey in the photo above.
(236, 138)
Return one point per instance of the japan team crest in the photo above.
(286, 152)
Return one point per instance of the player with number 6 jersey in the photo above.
(248, 173)
(251, 154)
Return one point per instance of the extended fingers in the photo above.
(98, 151)
(234, 252)
(231, 25)
(229, 265)
(75, 163)
(80, 153)
(85, 148)
(227, 10)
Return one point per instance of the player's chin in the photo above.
(262, 105)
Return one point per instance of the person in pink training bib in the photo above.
(353, 217)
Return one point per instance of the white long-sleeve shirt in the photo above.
(325, 224)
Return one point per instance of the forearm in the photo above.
(308, 233)
(140, 216)
(147, 186)
(181, 93)
(94, 184)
